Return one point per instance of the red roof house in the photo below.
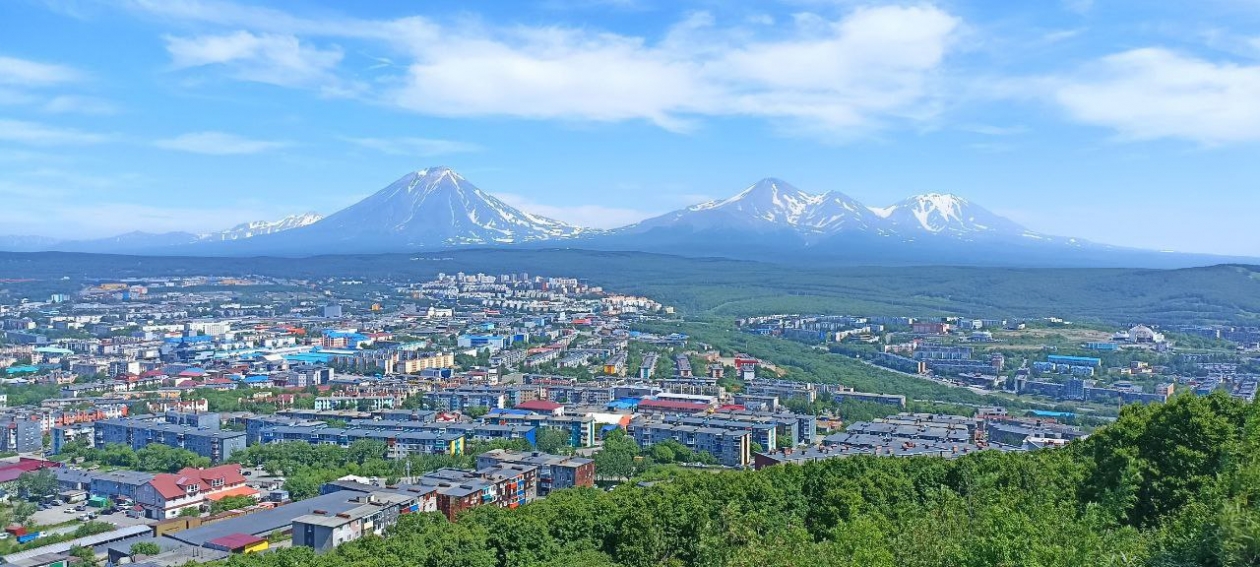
(542, 406)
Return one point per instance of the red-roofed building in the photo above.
(542, 406)
(238, 543)
(167, 495)
(672, 406)
(11, 472)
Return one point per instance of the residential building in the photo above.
(166, 495)
(554, 472)
(19, 435)
(730, 448)
(213, 444)
(323, 531)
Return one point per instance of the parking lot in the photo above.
(66, 512)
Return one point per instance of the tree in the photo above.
(23, 510)
(144, 548)
(231, 503)
(362, 450)
(663, 453)
(38, 483)
(618, 457)
(554, 441)
(476, 412)
(85, 554)
(190, 512)
(161, 458)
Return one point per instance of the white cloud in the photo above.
(282, 60)
(1061, 35)
(846, 75)
(25, 73)
(874, 64)
(36, 134)
(993, 130)
(422, 147)
(71, 104)
(14, 96)
(593, 216)
(1151, 93)
(1081, 7)
(219, 144)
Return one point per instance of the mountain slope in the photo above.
(131, 241)
(26, 243)
(430, 208)
(948, 215)
(767, 205)
(259, 228)
(772, 206)
(149, 242)
(839, 213)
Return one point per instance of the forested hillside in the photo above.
(1167, 485)
(722, 287)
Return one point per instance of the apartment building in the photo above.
(323, 531)
(730, 448)
(213, 444)
(554, 472)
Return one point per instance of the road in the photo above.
(941, 381)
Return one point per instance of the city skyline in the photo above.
(1116, 122)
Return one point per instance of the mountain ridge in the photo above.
(437, 208)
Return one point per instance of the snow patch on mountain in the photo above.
(772, 205)
(259, 228)
(436, 207)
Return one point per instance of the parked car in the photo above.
(80, 508)
(84, 517)
(68, 511)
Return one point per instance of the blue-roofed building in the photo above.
(492, 342)
(624, 404)
(257, 381)
(1102, 346)
(21, 369)
(313, 357)
(1074, 360)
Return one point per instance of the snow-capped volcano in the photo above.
(836, 213)
(259, 228)
(772, 205)
(433, 207)
(937, 213)
(767, 205)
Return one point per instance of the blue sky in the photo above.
(1127, 122)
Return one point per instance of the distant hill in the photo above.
(725, 288)
(155, 243)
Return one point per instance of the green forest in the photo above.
(725, 287)
(1173, 484)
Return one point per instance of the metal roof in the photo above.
(89, 541)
